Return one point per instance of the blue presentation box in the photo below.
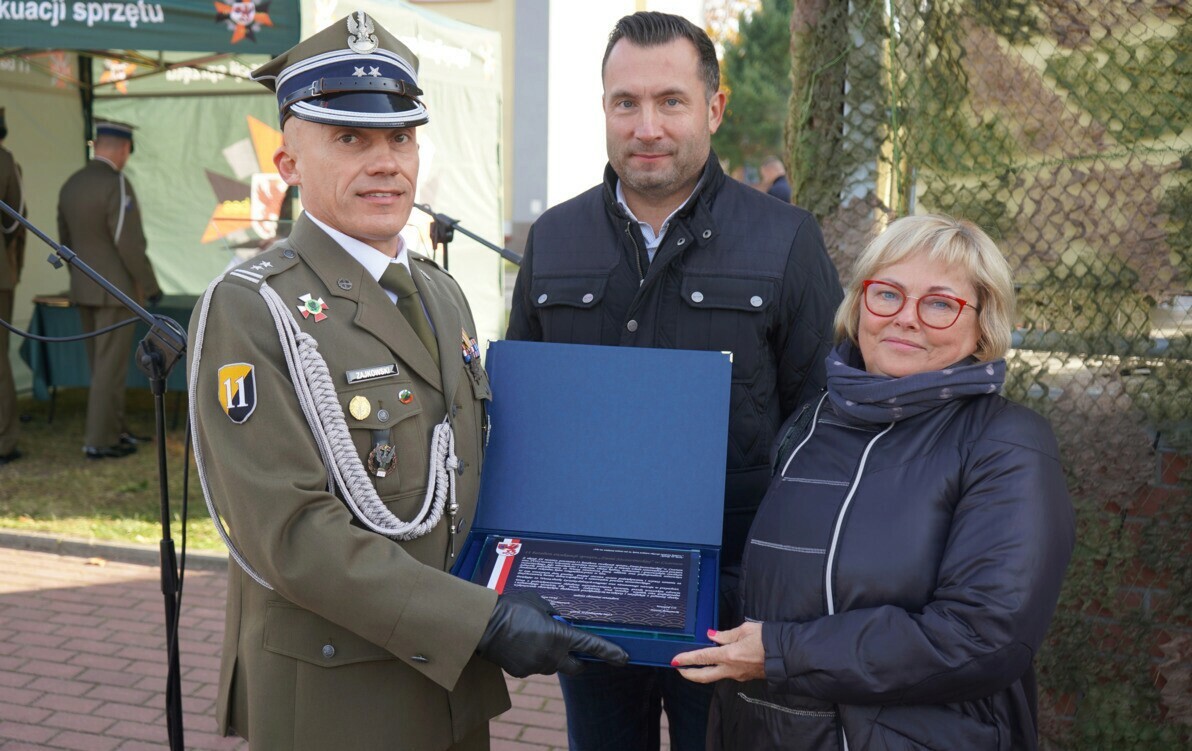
(616, 445)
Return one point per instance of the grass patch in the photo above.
(54, 489)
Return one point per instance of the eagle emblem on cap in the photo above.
(361, 38)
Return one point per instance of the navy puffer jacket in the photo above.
(905, 575)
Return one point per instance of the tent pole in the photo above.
(87, 95)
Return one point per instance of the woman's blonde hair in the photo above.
(956, 243)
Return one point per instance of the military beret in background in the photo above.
(114, 129)
(353, 72)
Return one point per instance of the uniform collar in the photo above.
(374, 261)
(106, 161)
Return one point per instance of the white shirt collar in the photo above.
(654, 240)
(374, 261)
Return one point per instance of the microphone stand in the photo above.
(158, 352)
(442, 231)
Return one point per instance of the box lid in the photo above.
(606, 442)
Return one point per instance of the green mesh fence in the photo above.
(1064, 128)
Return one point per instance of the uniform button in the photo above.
(344, 284)
(755, 301)
(632, 325)
(454, 410)
(589, 297)
(419, 658)
(459, 468)
(707, 233)
(682, 241)
(288, 253)
(697, 296)
(383, 415)
(542, 298)
(328, 651)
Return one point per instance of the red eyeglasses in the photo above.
(935, 311)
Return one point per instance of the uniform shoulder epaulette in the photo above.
(253, 272)
(427, 261)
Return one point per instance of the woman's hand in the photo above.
(740, 657)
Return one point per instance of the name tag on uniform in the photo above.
(369, 374)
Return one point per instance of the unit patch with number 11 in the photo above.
(237, 390)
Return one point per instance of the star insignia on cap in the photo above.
(374, 71)
(358, 73)
(312, 305)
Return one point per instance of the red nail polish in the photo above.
(675, 663)
(711, 633)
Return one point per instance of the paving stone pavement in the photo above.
(82, 660)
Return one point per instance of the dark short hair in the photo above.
(651, 28)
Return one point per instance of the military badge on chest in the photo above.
(312, 305)
(383, 458)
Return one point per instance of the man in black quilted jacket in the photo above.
(670, 252)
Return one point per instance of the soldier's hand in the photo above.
(524, 638)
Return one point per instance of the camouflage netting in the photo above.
(1064, 128)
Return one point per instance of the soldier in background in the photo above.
(99, 218)
(12, 260)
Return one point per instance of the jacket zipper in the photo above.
(836, 539)
(791, 434)
(637, 254)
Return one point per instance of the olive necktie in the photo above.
(409, 303)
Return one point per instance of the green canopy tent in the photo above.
(203, 165)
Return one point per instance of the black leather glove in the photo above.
(522, 639)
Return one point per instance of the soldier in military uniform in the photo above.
(340, 437)
(99, 218)
(12, 259)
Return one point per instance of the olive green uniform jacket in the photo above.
(99, 218)
(364, 643)
(12, 259)
(12, 240)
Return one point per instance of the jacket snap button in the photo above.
(755, 301)
(632, 325)
(542, 298)
(328, 651)
(707, 233)
(589, 297)
(419, 658)
(682, 240)
(697, 296)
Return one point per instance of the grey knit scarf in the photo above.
(871, 398)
